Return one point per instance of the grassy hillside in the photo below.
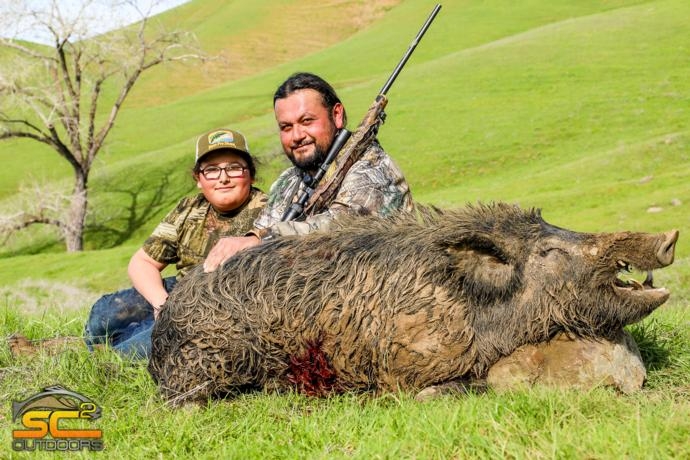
(578, 108)
(581, 110)
(545, 103)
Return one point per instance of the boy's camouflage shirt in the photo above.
(373, 185)
(188, 232)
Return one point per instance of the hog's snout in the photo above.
(667, 248)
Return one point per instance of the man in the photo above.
(309, 115)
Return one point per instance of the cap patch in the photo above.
(220, 138)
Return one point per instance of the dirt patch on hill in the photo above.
(296, 29)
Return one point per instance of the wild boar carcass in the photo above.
(399, 303)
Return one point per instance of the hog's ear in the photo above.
(484, 269)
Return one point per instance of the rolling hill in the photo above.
(578, 108)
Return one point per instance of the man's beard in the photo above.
(312, 162)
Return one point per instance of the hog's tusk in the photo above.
(649, 280)
(635, 284)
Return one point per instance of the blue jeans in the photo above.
(124, 320)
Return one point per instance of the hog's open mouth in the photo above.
(624, 284)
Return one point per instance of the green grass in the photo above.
(534, 423)
(578, 108)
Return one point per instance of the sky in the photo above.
(98, 16)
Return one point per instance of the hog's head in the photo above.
(527, 277)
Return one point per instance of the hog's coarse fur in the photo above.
(400, 303)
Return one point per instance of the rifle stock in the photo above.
(347, 149)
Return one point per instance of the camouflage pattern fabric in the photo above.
(373, 185)
(188, 232)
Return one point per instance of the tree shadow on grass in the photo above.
(42, 245)
(124, 208)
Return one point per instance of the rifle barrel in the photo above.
(297, 207)
(410, 49)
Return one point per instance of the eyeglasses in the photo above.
(232, 171)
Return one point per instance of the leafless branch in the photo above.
(39, 203)
(54, 94)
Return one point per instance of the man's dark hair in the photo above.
(305, 80)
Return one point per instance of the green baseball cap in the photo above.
(221, 138)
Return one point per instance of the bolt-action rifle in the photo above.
(348, 147)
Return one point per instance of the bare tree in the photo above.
(61, 94)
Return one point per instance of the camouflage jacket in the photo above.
(188, 232)
(373, 185)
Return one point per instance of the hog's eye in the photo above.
(552, 252)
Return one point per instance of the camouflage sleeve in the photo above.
(279, 198)
(161, 246)
(374, 185)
